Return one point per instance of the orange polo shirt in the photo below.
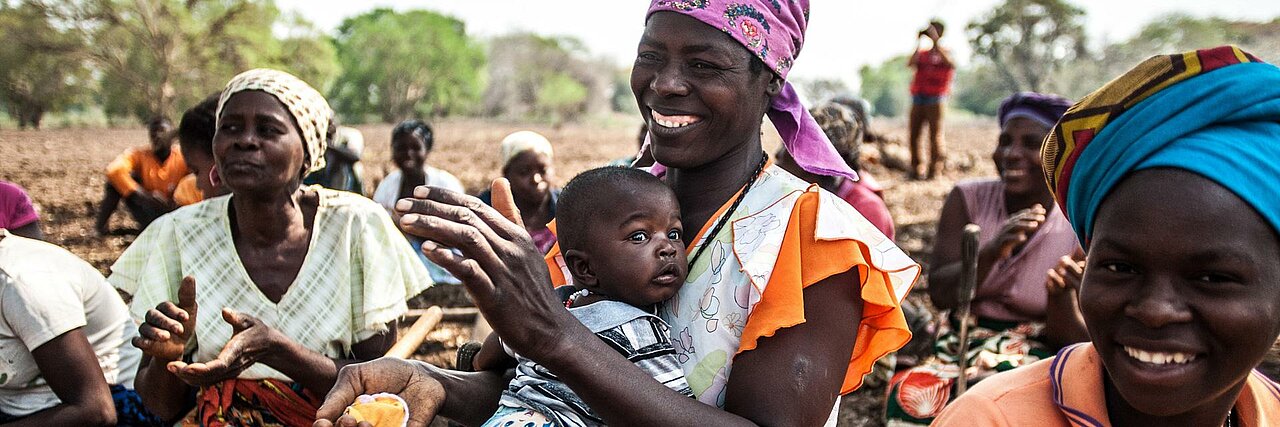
(1067, 391)
(187, 193)
(154, 175)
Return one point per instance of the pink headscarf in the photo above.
(772, 30)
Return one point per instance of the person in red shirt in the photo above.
(929, 88)
(145, 177)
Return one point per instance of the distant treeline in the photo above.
(130, 60)
(136, 59)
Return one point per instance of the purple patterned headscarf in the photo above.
(772, 30)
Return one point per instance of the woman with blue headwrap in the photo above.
(1169, 176)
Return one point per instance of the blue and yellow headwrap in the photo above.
(1214, 112)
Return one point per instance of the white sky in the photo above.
(843, 34)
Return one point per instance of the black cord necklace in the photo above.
(706, 239)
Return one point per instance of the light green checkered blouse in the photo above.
(355, 279)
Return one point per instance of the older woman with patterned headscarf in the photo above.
(1025, 299)
(250, 302)
(791, 295)
(1168, 175)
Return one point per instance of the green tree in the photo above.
(43, 67)
(561, 96)
(1027, 41)
(887, 86)
(155, 57)
(398, 65)
(526, 69)
(979, 89)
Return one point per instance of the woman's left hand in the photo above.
(498, 263)
(251, 341)
(1067, 275)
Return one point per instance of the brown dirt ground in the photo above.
(62, 170)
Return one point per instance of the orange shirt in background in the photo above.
(1068, 391)
(154, 176)
(187, 193)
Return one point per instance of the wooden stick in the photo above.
(413, 337)
(968, 282)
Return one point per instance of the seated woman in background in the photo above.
(195, 137)
(411, 143)
(65, 357)
(844, 129)
(526, 162)
(1173, 192)
(294, 282)
(1021, 252)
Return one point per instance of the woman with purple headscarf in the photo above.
(791, 294)
(1025, 298)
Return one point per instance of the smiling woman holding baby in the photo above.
(791, 295)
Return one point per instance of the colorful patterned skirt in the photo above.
(256, 403)
(917, 395)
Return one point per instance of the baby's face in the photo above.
(636, 250)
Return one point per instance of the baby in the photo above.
(619, 230)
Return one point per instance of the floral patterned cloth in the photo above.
(919, 394)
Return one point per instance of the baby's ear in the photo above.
(579, 264)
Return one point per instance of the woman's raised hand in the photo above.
(251, 342)
(495, 259)
(167, 328)
(1017, 230)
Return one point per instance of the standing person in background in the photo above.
(411, 143)
(17, 213)
(342, 169)
(929, 88)
(526, 162)
(195, 137)
(145, 177)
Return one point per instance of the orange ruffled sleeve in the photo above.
(803, 260)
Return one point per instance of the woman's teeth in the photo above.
(673, 121)
(1158, 358)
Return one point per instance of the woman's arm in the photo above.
(163, 338)
(775, 384)
(792, 378)
(945, 268)
(1064, 324)
(491, 356)
(71, 368)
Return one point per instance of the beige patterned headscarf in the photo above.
(308, 108)
(525, 140)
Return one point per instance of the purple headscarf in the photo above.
(773, 31)
(1042, 108)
